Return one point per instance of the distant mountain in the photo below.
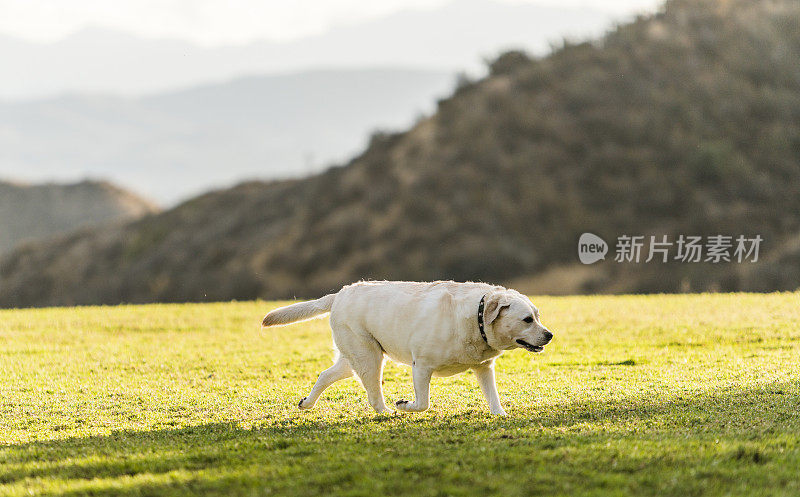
(34, 212)
(685, 122)
(173, 145)
(453, 37)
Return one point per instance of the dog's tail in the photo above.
(299, 312)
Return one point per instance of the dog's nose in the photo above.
(548, 336)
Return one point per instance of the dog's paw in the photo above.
(300, 404)
(408, 406)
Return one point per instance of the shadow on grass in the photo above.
(451, 454)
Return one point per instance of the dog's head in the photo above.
(514, 322)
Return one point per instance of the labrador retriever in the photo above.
(439, 329)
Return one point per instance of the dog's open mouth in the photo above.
(530, 348)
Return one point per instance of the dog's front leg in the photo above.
(422, 383)
(485, 376)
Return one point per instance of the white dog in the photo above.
(439, 329)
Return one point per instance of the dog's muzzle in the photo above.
(535, 348)
(529, 347)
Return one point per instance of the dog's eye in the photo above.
(528, 319)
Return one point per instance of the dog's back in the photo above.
(406, 317)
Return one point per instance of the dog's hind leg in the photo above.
(340, 370)
(365, 356)
(422, 384)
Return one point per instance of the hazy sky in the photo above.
(219, 22)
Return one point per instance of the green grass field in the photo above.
(651, 395)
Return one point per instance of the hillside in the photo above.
(683, 122)
(35, 212)
(172, 146)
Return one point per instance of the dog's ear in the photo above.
(494, 304)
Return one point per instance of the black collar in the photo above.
(480, 320)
